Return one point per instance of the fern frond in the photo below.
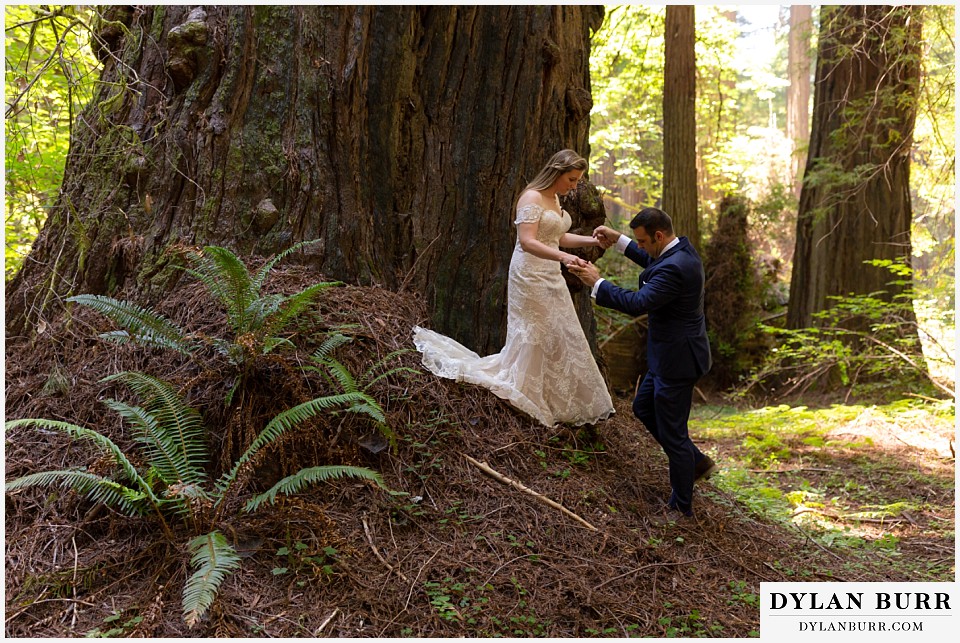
(101, 441)
(227, 279)
(389, 356)
(259, 309)
(291, 307)
(330, 344)
(371, 408)
(272, 342)
(341, 374)
(287, 420)
(261, 275)
(140, 324)
(97, 488)
(305, 477)
(392, 371)
(214, 558)
(171, 432)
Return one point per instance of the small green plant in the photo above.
(741, 594)
(116, 626)
(256, 320)
(338, 376)
(174, 485)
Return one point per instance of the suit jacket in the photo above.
(671, 293)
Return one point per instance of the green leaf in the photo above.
(138, 324)
(171, 432)
(287, 420)
(97, 488)
(213, 558)
(101, 441)
(306, 477)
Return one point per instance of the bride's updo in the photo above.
(560, 163)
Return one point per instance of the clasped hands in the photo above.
(586, 271)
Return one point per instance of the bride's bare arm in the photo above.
(527, 232)
(578, 241)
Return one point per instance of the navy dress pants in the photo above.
(664, 408)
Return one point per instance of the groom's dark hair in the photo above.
(651, 220)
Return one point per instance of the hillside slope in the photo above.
(457, 553)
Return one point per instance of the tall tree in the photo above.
(400, 136)
(798, 91)
(855, 202)
(679, 127)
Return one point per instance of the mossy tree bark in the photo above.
(399, 136)
(855, 201)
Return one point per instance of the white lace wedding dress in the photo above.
(545, 368)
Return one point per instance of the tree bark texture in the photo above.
(855, 201)
(798, 91)
(399, 136)
(679, 122)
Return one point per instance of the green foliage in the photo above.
(140, 325)
(115, 628)
(50, 76)
(858, 340)
(213, 558)
(174, 483)
(339, 376)
(257, 321)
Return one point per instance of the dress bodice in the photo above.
(552, 225)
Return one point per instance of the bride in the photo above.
(545, 368)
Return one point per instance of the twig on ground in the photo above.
(335, 611)
(483, 466)
(366, 530)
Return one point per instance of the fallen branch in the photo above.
(335, 611)
(483, 466)
(366, 530)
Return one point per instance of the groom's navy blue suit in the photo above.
(678, 352)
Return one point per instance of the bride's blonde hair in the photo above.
(560, 163)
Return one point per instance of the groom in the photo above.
(678, 352)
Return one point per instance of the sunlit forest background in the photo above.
(743, 144)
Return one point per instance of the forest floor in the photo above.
(457, 552)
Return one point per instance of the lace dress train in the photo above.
(545, 367)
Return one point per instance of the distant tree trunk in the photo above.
(398, 135)
(679, 126)
(855, 202)
(798, 91)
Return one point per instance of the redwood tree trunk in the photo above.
(855, 202)
(399, 136)
(798, 91)
(679, 126)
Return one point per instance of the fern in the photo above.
(227, 279)
(97, 488)
(305, 477)
(291, 307)
(366, 377)
(330, 344)
(261, 275)
(171, 433)
(139, 324)
(101, 441)
(214, 558)
(287, 420)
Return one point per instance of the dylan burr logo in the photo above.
(905, 611)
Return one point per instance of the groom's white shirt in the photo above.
(621, 245)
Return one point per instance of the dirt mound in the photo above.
(460, 554)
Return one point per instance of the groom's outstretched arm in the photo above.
(661, 289)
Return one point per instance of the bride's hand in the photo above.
(571, 261)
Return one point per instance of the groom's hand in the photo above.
(606, 236)
(588, 274)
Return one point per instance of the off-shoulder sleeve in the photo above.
(529, 213)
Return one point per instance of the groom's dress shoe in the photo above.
(704, 469)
